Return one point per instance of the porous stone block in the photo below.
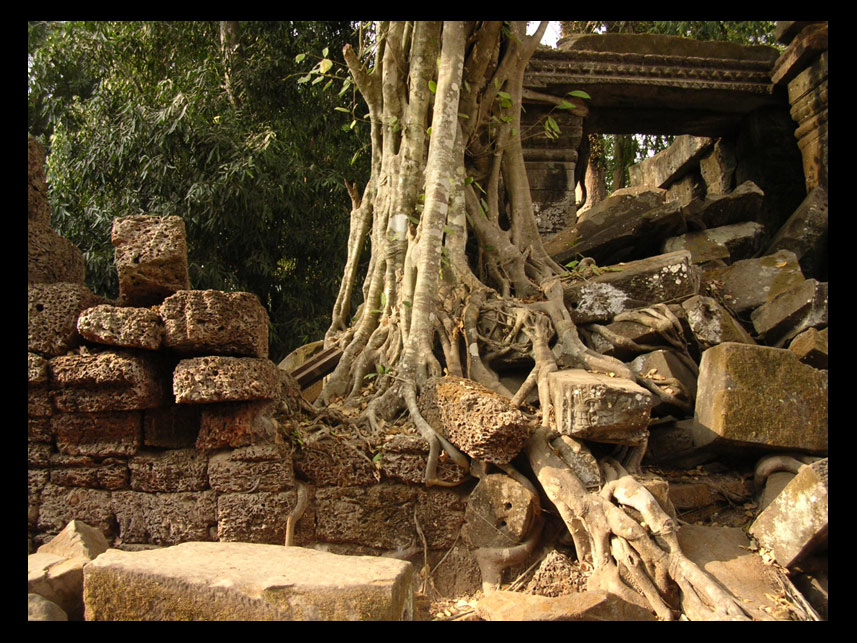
(404, 458)
(254, 468)
(749, 283)
(172, 427)
(246, 582)
(258, 517)
(811, 347)
(165, 518)
(663, 278)
(330, 461)
(762, 397)
(234, 424)
(60, 505)
(203, 380)
(792, 312)
(794, 525)
(37, 185)
(712, 324)
(118, 326)
(500, 513)
(108, 381)
(150, 254)
(99, 435)
(215, 322)
(170, 470)
(478, 421)
(52, 311)
(85, 471)
(52, 258)
(596, 407)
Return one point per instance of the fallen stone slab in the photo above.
(41, 609)
(202, 380)
(749, 283)
(794, 524)
(806, 235)
(213, 322)
(717, 167)
(712, 324)
(596, 407)
(246, 582)
(503, 605)
(669, 165)
(792, 312)
(108, 381)
(741, 204)
(762, 397)
(150, 254)
(730, 242)
(122, 326)
(662, 365)
(811, 347)
(480, 422)
(663, 278)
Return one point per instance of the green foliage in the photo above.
(153, 118)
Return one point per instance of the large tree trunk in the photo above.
(458, 278)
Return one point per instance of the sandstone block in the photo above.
(478, 421)
(712, 324)
(811, 41)
(662, 365)
(165, 518)
(794, 525)
(258, 517)
(729, 242)
(77, 540)
(717, 167)
(762, 397)
(596, 407)
(41, 609)
(670, 164)
(59, 580)
(99, 435)
(404, 457)
(52, 258)
(636, 284)
(254, 468)
(52, 311)
(60, 505)
(805, 234)
(811, 347)
(580, 460)
(742, 204)
(686, 189)
(749, 283)
(598, 605)
(171, 470)
(500, 513)
(216, 322)
(127, 327)
(210, 379)
(639, 333)
(791, 312)
(108, 381)
(246, 582)
(151, 258)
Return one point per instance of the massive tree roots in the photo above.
(458, 283)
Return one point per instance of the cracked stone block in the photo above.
(500, 513)
(794, 525)
(749, 283)
(480, 422)
(122, 326)
(216, 322)
(763, 397)
(98, 435)
(404, 457)
(258, 517)
(52, 311)
(150, 254)
(806, 234)
(202, 380)
(718, 167)
(52, 258)
(255, 468)
(165, 518)
(811, 347)
(791, 312)
(712, 324)
(663, 278)
(108, 381)
(596, 407)
(170, 470)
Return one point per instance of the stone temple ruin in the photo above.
(158, 427)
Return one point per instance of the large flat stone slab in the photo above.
(246, 582)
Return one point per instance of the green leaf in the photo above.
(300, 57)
(325, 65)
(383, 299)
(325, 51)
(432, 86)
(579, 93)
(565, 105)
(376, 457)
(342, 109)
